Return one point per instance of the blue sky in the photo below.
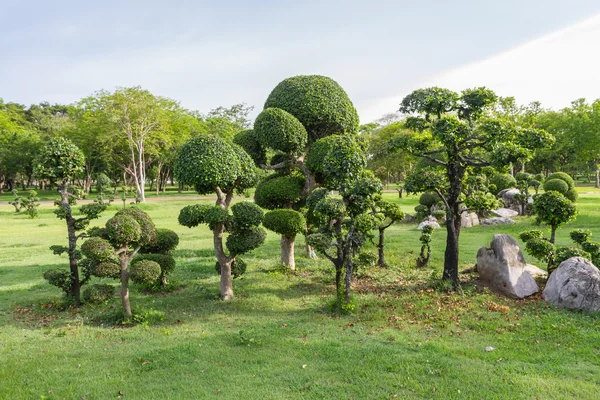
(208, 53)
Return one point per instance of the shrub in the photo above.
(564, 177)
(148, 230)
(572, 195)
(103, 182)
(279, 130)
(123, 229)
(99, 250)
(96, 294)
(165, 242)
(165, 261)
(60, 278)
(246, 215)
(558, 185)
(279, 191)
(249, 142)
(439, 214)
(285, 222)
(503, 181)
(145, 271)
(318, 102)
(106, 269)
(554, 209)
(240, 242)
(429, 199)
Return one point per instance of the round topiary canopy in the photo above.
(318, 102)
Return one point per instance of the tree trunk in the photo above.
(597, 175)
(75, 284)
(553, 234)
(124, 260)
(455, 175)
(287, 252)
(225, 263)
(451, 254)
(380, 246)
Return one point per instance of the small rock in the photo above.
(497, 221)
(536, 272)
(489, 348)
(505, 212)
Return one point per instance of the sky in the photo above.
(207, 54)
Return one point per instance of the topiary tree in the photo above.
(503, 182)
(212, 165)
(554, 209)
(425, 253)
(288, 223)
(299, 111)
(159, 251)
(558, 185)
(389, 213)
(343, 224)
(552, 183)
(59, 161)
(111, 257)
(452, 131)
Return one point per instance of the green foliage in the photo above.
(580, 236)
(279, 158)
(148, 230)
(60, 278)
(439, 214)
(344, 162)
(144, 271)
(165, 242)
(318, 102)
(103, 182)
(425, 239)
(246, 215)
(208, 163)
(554, 209)
(279, 191)
(563, 253)
(429, 199)
(503, 181)
(238, 267)
(31, 204)
(165, 261)
(562, 176)
(558, 185)
(481, 202)
(572, 195)
(279, 130)
(249, 142)
(99, 250)
(530, 235)
(315, 160)
(285, 222)
(240, 242)
(429, 101)
(106, 270)
(59, 161)
(123, 231)
(96, 294)
(542, 249)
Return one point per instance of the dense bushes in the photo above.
(503, 181)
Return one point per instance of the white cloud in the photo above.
(554, 69)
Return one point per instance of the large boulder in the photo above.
(497, 221)
(508, 197)
(575, 284)
(468, 220)
(502, 267)
(505, 212)
(429, 221)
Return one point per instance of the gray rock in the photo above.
(497, 221)
(468, 220)
(505, 212)
(575, 284)
(502, 267)
(429, 221)
(508, 198)
(536, 272)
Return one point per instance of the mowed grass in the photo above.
(277, 338)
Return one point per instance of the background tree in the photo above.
(553, 209)
(212, 165)
(450, 132)
(59, 161)
(389, 213)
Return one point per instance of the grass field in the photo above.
(277, 339)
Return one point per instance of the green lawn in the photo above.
(276, 339)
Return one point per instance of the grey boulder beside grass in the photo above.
(503, 269)
(575, 284)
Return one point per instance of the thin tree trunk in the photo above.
(225, 261)
(287, 252)
(597, 174)
(380, 246)
(125, 286)
(553, 235)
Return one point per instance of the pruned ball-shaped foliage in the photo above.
(144, 271)
(98, 250)
(165, 261)
(97, 231)
(123, 231)
(240, 242)
(192, 215)
(279, 191)
(286, 222)
(523, 177)
(165, 242)
(247, 177)
(59, 160)
(344, 162)
(572, 195)
(238, 268)
(429, 199)
(96, 294)
(540, 248)
(315, 160)
(503, 181)
(102, 182)
(60, 278)
(249, 142)
(563, 253)
(214, 215)
(554, 209)
(318, 102)
(439, 214)
(279, 130)
(206, 162)
(246, 215)
(564, 177)
(558, 185)
(530, 235)
(106, 269)
(391, 211)
(148, 230)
